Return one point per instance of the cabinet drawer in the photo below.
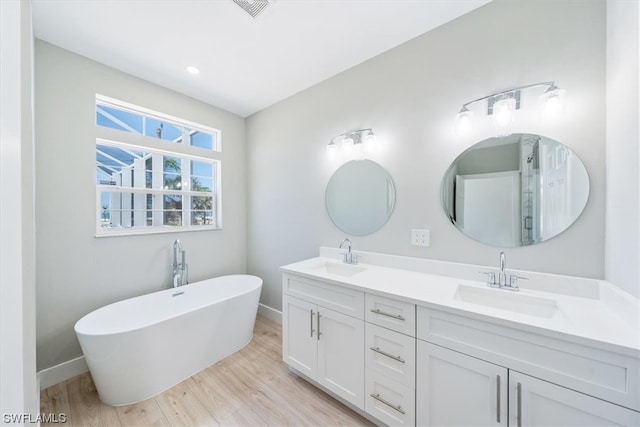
(392, 314)
(607, 375)
(390, 353)
(389, 401)
(343, 300)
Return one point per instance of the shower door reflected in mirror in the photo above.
(515, 190)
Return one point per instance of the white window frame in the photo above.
(145, 112)
(136, 141)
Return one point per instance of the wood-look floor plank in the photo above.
(266, 404)
(298, 395)
(182, 408)
(145, 413)
(242, 417)
(252, 387)
(333, 412)
(219, 400)
(264, 323)
(267, 340)
(54, 400)
(85, 408)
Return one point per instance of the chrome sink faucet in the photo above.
(180, 268)
(502, 283)
(349, 257)
(502, 277)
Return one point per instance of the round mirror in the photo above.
(515, 190)
(360, 197)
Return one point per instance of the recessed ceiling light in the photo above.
(193, 70)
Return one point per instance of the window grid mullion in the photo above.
(134, 194)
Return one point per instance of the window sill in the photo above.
(120, 232)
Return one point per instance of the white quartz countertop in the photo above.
(592, 320)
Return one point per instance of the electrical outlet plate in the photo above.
(420, 238)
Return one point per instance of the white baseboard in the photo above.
(270, 313)
(62, 372)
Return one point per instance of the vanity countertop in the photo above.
(590, 319)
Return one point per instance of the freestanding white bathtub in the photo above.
(139, 347)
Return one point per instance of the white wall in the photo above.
(77, 272)
(622, 243)
(409, 96)
(19, 392)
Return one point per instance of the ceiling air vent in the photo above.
(253, 7)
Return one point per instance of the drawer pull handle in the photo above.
(389, 404)
(382, 313)
(498, 398)
(311, 324)
(389, 355)
(519, 404)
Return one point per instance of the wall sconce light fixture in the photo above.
(502, 107)
(351, 141)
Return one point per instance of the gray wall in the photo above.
(622, 248)
(77, 272)
(409, 96)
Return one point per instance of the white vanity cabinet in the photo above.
(390, 360)
(325, 344)
(455, 388)
(408, 349)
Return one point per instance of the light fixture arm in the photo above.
(354, 133)
(550, 85)
(502, 106)
(364, 139)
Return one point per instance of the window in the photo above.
(154, 173)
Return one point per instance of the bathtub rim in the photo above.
(78, 329)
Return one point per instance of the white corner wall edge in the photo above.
(270, 313)
(62, 372)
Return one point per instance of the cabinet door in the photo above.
(341, 355)
(539, 403)
(453, 389)
(299, 337)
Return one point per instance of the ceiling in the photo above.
(245, 64)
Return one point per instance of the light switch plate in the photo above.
(420, 237)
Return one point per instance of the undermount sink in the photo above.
(346, 270)
(507, 300)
